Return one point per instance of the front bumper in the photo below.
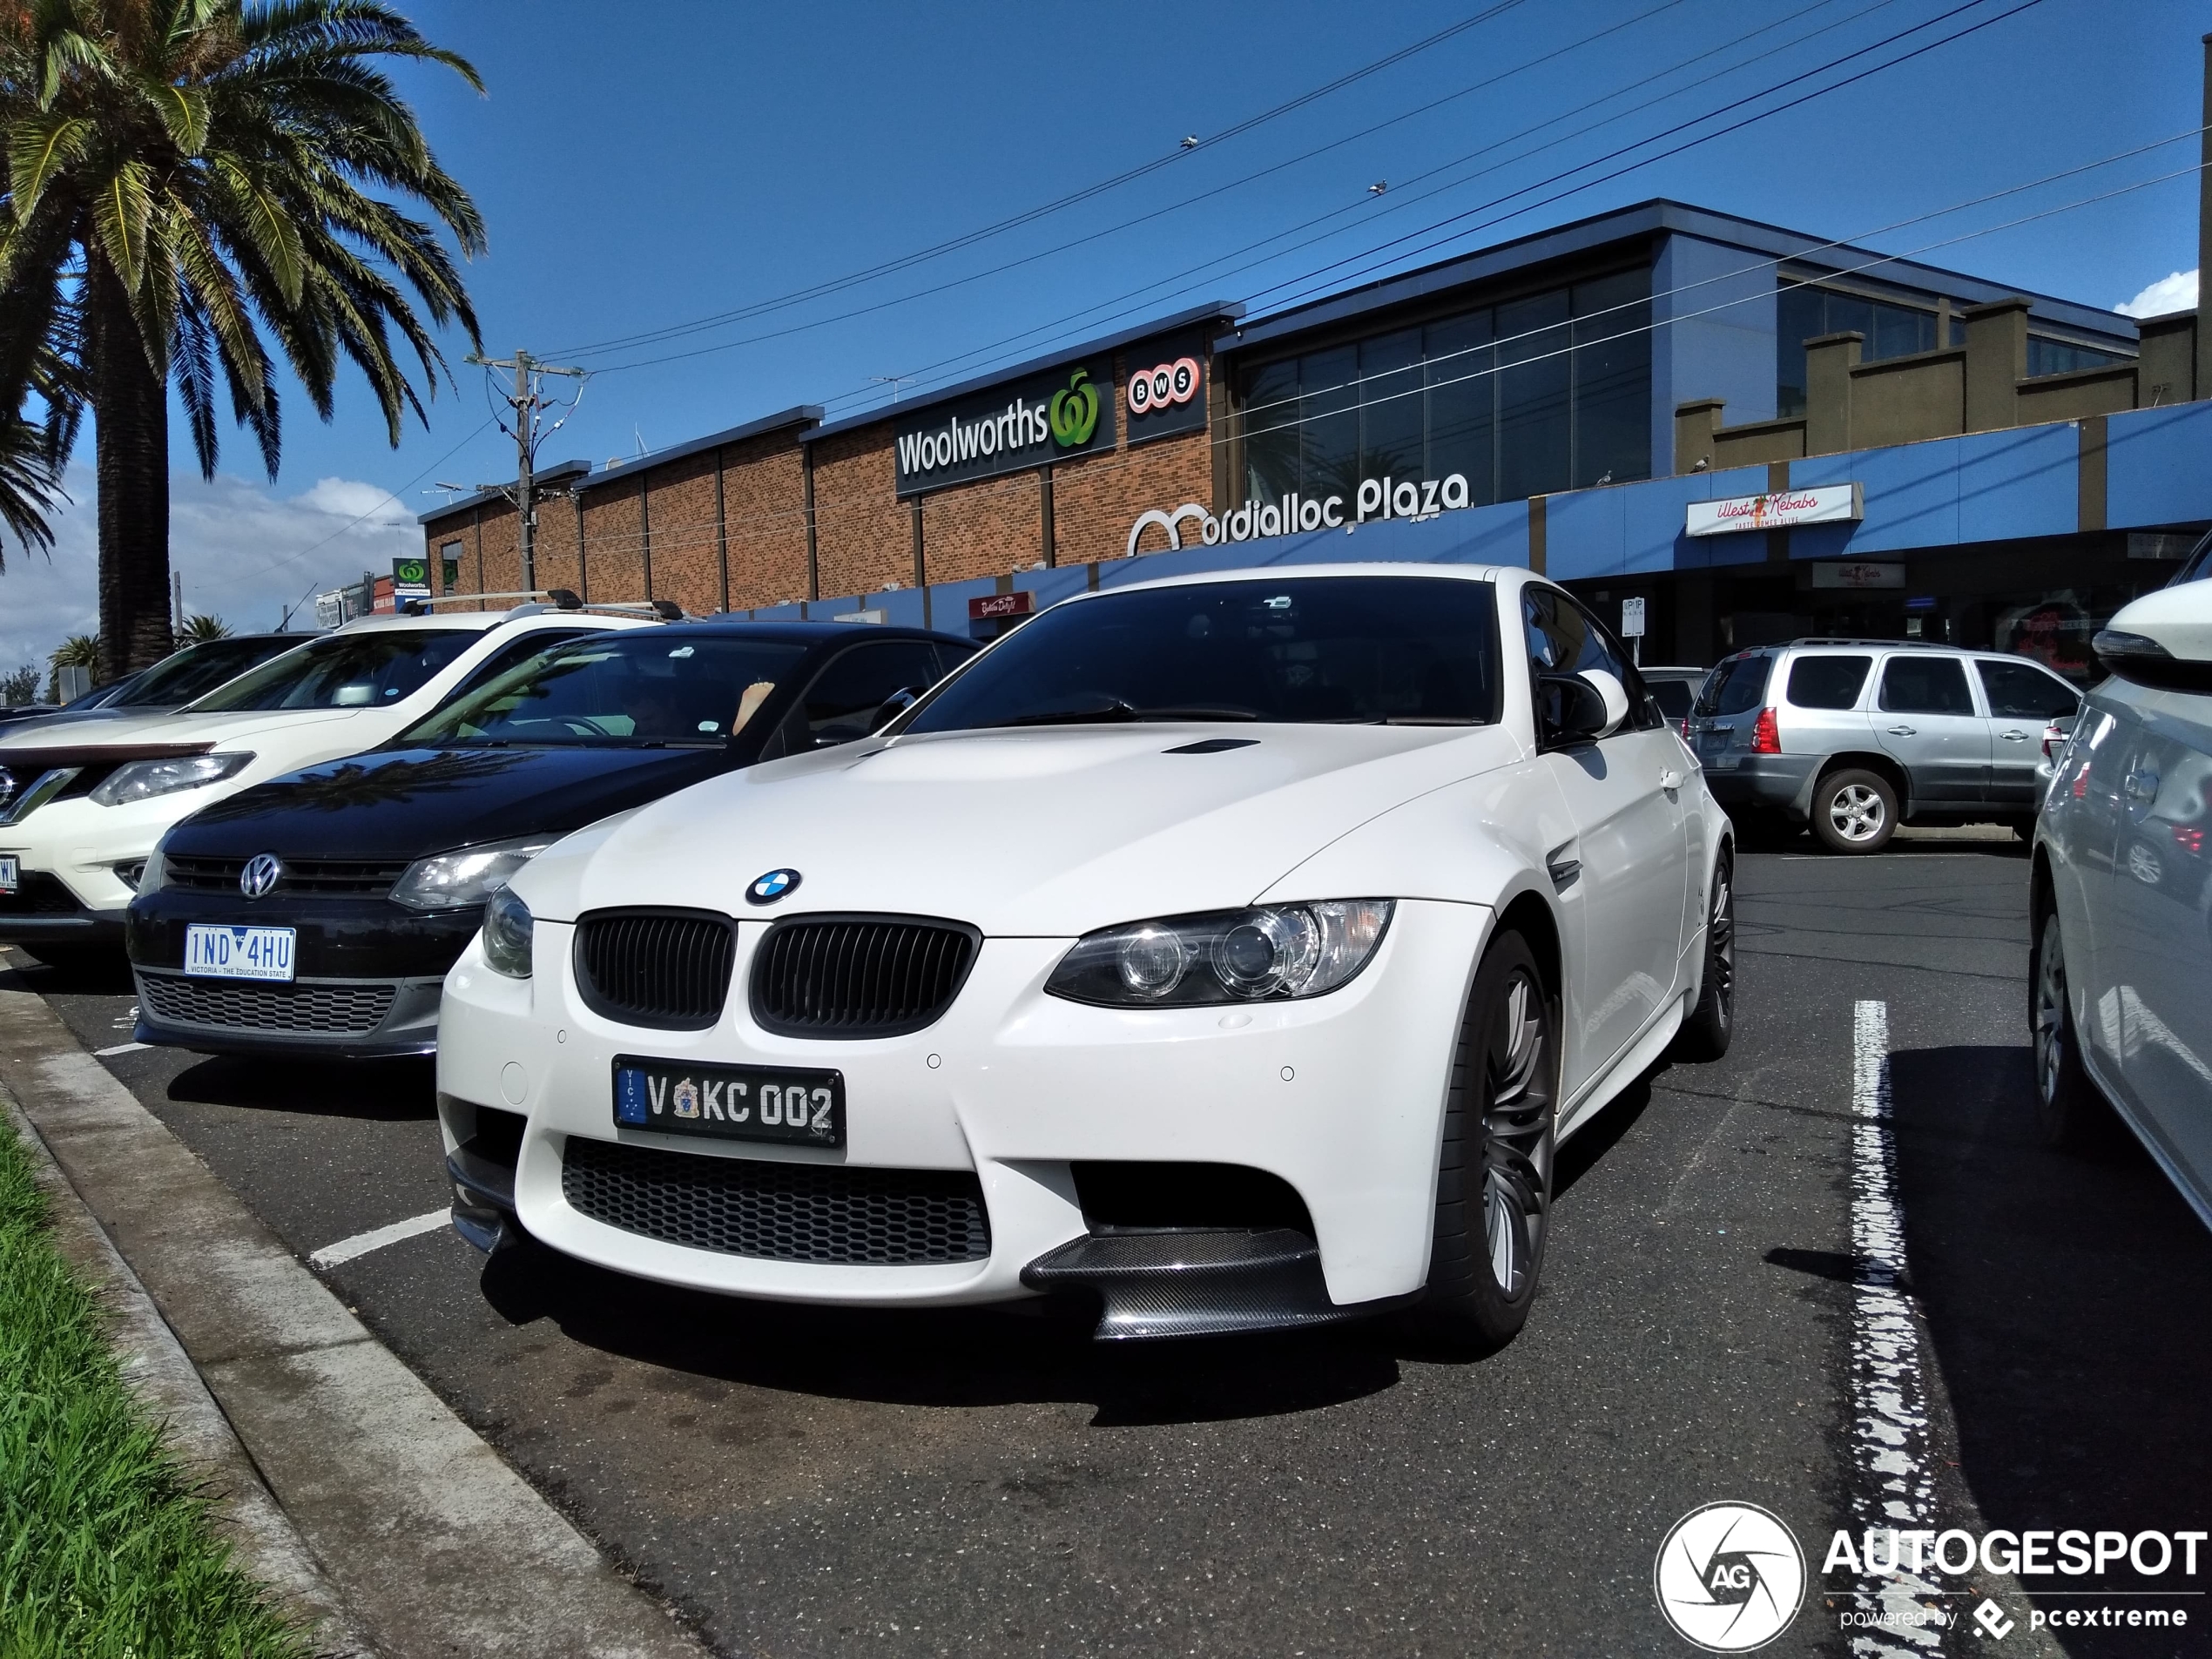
(1340, 1097)
(1778, 782)
(44, 911)
(369, 975)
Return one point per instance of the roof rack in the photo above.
(1884, 644)
(550, 599)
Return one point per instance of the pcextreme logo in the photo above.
(1074, 411)
(1730, 1577)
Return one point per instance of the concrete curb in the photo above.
(262, 1539)
(437, 1546)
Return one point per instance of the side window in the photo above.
(2018, 691)
(518, 651)
(1828, 682)
(1913, 684)
(842, 703)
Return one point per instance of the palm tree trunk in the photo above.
(131, 426)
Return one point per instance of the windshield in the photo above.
(198, 669)
(373, 669)
(641, 687)
(1418, 649)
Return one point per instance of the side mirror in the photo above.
(2162, 640)
(896, 705)
(1569, 709)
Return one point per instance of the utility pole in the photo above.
(529, 404)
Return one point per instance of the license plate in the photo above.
(239, 952)
(731, 1103)
(9, 878)
(1719, 762)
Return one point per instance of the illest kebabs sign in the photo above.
(1053, 415)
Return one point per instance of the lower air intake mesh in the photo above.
(785, 1212)
(340, 1008)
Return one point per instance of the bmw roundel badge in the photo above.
(771, 886)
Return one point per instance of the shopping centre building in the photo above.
(1755, 433)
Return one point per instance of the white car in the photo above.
(82, 805)
(1236, 950)
(2120, 919)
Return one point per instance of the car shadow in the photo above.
(954, 1357)
(2064, 1296)
(390, 1091)
(82, 971)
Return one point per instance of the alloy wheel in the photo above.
(2050, 1011)
(1856, 811)
(1517, 1133)
(1720, 932)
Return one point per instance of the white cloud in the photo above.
(245, 551)
(2174, 292)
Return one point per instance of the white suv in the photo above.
(1854, 736)
(81, 806)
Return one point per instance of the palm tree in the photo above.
(186, 183)
(79, 650)
(200, 629)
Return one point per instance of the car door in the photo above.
(1924, 717)
(1627, 868)
(2156, 937)
(2023, 698)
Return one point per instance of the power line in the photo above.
(1101, 467)
(1031, 215)
(1681, 126)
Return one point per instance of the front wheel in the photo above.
(1854, 811)
(1494, 1178)
(1705, 1035)
(2068, 1108)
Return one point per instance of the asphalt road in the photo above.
(798, 1482)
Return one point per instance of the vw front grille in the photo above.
(335, 1008)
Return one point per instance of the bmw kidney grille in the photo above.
(859, 976)
(666, 970)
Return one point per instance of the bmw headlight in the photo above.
(144, 779)
(1269, 952)
(468, 876)
(507, 935)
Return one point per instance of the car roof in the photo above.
(1404, 570)
(809, 633)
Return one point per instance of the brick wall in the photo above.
(864, 533)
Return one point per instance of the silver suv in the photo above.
(1855, 736)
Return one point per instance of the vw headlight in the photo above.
(144, 779)
(1269, 952)
(155, 876)
(468, 876)
(507, 935)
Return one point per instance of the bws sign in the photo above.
(1068, 411)
(1167, 389)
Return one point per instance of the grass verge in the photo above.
(105, 1548)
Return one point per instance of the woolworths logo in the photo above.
(1074, 411)
(1067, 420)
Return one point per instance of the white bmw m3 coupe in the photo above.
(1233, 952)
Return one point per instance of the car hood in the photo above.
(1040, 832)
(406, 803)
(194, 731)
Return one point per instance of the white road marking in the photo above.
(120, 1048)
(1889, 1401)
(360, 1244)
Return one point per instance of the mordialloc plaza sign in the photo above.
(1824, 504)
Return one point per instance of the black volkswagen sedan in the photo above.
(317, 912)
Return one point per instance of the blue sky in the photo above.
(641, 166)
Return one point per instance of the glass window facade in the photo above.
(1803, 312)
(2063, 356)
(1547, 393)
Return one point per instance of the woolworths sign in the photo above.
(1068, 411)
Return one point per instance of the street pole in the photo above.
(528, 404)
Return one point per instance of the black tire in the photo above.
(1854, 811)
(1495, 1174)
(2069, 1110)
(1705, 1035)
